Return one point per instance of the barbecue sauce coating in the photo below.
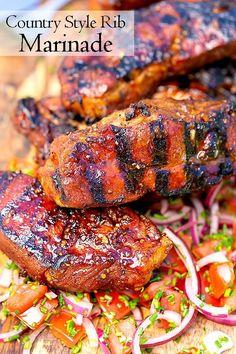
(166, 146)
(76, 250)
(43, 121)
(171, 38)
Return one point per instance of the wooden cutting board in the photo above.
(13, 74)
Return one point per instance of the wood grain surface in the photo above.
(15, 80)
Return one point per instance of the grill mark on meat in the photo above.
(59, 185)
(125, 158)
(159, 141)
(189, 139)
(93, 177)
(162, 181)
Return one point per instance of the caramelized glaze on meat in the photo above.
(167, 146)
(123, 4)
(76, 250)
(171, 38)
(41, 122)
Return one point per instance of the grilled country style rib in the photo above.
(167, 146)
(171, 38)
(123, 4)
(76, 250)
(42, 121)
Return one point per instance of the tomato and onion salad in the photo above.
(198, 276)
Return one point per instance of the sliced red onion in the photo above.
(82, 307)
(102, 343)
(226, 219)
(4, 297)
(214, 218)
(162, 339)
(233, 255)
(78, 319)
(191, 281)
(212, 194)
(32, 338)
(194, 229)
(184, 227)
(164, 206)
(15, 277)
(202, 307)
(5, 336)
(217, 257)
(91, 332)
(137, 315)
(229, 320)
(172, 219)
(200, 219)
(183, 252)
(96, 311)
(32, 316)
(6, 278)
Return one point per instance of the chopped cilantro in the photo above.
(70, 326)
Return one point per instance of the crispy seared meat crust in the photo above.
(123, 4)
(170, 38)
(76, 250)
(167, 146)
(43, 121)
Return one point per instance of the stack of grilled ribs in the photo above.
(162, 121)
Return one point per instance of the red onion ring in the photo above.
(214, 218)
(226, 219)
(91, 332)
(162, 339)
(82, 307)
(102, 343)
(193, 228)
(200, 219)
(174, 218)
(212, 194)
(5, 336)
(217, 257)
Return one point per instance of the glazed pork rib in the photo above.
(166, 146)
(171, 38)
(76, 250)
(43, 121)
(123, 4)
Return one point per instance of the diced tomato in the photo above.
(221, 277)
(153, 288)
(187, 239)
(59, 328)
(36, 315)
(230, 301)
(206, 248)
(205, 285)
(24, 297)
(231, 205)
(174, 262)
(171, 300)
(112, 302)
